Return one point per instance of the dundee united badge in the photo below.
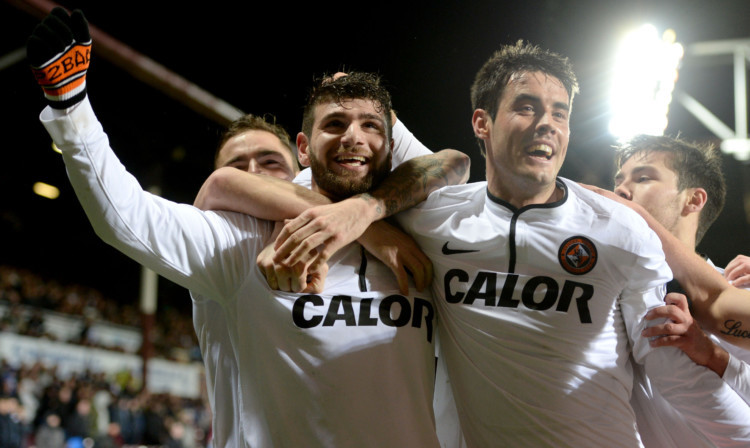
(577, 255)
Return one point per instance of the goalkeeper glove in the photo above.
(59, 51)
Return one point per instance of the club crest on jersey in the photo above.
(577, 255)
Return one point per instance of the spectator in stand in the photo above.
(11, 426)
(50, 434)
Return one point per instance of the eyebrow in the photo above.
(638, 169)
(533, 98)
(363, 115)
(261, 153)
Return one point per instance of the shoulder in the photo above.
(612, 223)
(451, 204)
(603, 209)
(456, 195)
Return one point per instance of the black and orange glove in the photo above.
(59, 51)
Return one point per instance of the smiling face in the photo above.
(527, 141)
(258, 152)
(348, 149)
(647, 180)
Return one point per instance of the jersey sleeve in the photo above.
(698, 393)
(405, 145)
(701, 396)
(646, 274)
(737, 375)
(208, 253)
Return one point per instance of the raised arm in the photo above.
(201, 251)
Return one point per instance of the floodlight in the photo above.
(46, 190)
(645, 73)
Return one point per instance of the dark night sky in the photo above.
(262, 57)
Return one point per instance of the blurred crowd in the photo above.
(41, 408)
(28, 295)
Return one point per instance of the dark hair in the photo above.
(354, 85)
(696, 165)
(251, 122)
(490, 81)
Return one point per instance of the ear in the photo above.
(696, 200)
(390, 157)
(303, 147)
(481, 122)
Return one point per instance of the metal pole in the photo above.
(145, 69)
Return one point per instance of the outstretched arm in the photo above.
(720, 308)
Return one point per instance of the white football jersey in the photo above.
(352, 367)
(661, 425)
(539, 310)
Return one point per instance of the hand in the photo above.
(681, 331)
(320, 232)
(737, 271)
(298, 278)
(59, 50)
(400, 253)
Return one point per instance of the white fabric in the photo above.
(340, 369)
(538, 356)
(737, 375)
(660, 425)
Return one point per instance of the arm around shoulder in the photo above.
(264, 197)
(414, 180)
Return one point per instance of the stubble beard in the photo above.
(341, 186)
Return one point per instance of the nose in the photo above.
(622, 191)
(545, 125)
(352, 137)
(254, 167)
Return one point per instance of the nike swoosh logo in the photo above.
(448, 251)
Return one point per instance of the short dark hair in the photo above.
(251, 122)
(354, 85)
(490, 81)
(696, 166)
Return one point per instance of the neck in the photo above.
(686, 235)
(314, 187)
(522, 198)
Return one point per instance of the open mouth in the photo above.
(352, 161)
(543, 151)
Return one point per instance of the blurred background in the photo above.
(150, 58)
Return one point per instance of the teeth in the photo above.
(352, 160)
(543, 150)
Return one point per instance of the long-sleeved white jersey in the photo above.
(352, 367)
(540, 308)
(661, 425)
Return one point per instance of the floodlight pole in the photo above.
(144, 68)
(734, 142)
(739, 51)
(740, 90)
